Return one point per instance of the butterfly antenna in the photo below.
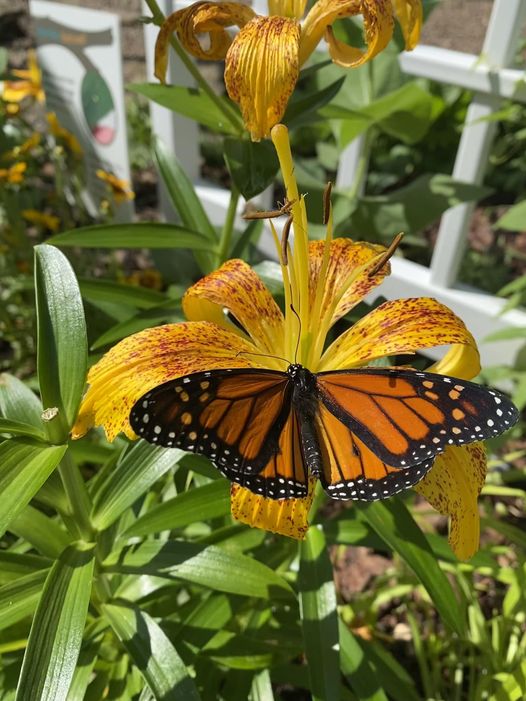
(299, 334)
(263, 355)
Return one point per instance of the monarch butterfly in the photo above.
(366, 434)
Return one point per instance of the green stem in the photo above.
(225, 241)
(158, 18)
(363, 162)
(78, 497)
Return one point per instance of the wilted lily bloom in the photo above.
(262, 62)
(323, 281)
(29, 83)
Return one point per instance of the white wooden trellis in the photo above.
(491, 80)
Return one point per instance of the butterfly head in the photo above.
(300, 376)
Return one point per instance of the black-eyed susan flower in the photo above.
(323, 280)
(120, 189)
(262, 62)
(13, 175)
(41, 219)
(63, 136)
(29, 83)
(25, 147)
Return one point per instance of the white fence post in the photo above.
(498, 51)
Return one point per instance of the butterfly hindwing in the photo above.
(241, 419)
(351, 471)
(407, 417)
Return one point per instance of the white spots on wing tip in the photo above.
(186, 380)
(447, 379)
(490, 422)
(498, 400)
(499, 412)
(171, 434)
(145, 418)
(157, 429)
(145, 404)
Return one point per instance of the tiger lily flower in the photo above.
(323, 281)
(262, 62)
(29, 83)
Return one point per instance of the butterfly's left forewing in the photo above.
(406, 417)
(234, 417)
(241, 419)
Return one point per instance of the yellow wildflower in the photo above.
(13, 175)
(63, 136)
(28, 145)
(28, 85)
(120, 189)
(41, 219)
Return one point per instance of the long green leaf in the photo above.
(184, 198)
(133, 476)
(208, 566)
(18, 599)
(41, 531)
(139, 235)
(197, 504)
(24, 467)
(18, 402)
(62, 340)
(56, 633)
(356, 666)
(190, 102)
(18, 428)
(152, 652)
(395, 525)
(131, 295)
(15, 565)
(319, 617)
(142, 320)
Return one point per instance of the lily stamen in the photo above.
(387, 255)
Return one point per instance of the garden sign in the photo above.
(79, 52)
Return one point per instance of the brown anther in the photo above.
(271, 214)
(285, 240)
(386, 256)
(327, 203)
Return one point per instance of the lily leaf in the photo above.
(209, 566)
(190, 102)
(24, 467)
(252, 165)
(152, 652)
(138, 235)
(62, 340)
(319, 617)
(56, 634)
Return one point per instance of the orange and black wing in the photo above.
(239, 418)
(406, 417)
(350, 470)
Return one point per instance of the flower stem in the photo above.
(78, 496)
(228, 227)
(158, 18)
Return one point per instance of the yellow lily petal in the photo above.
(346, 272)
(462, 361)
(261, 70)
(148, 359)
(410, 15)
(399, 326)
(199, 18)
(287, 8)
(452, 487)
(378, 29)
(284, 516)
(237, 288)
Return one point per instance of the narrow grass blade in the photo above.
(395, 525)
(152, 652)
(62, 341)
(24, 467)
(133, 476)
(117, 293)
(208, 566)
(41, 531)
(18, 428)
(56, 633)
(319, 618)
(197, 504)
